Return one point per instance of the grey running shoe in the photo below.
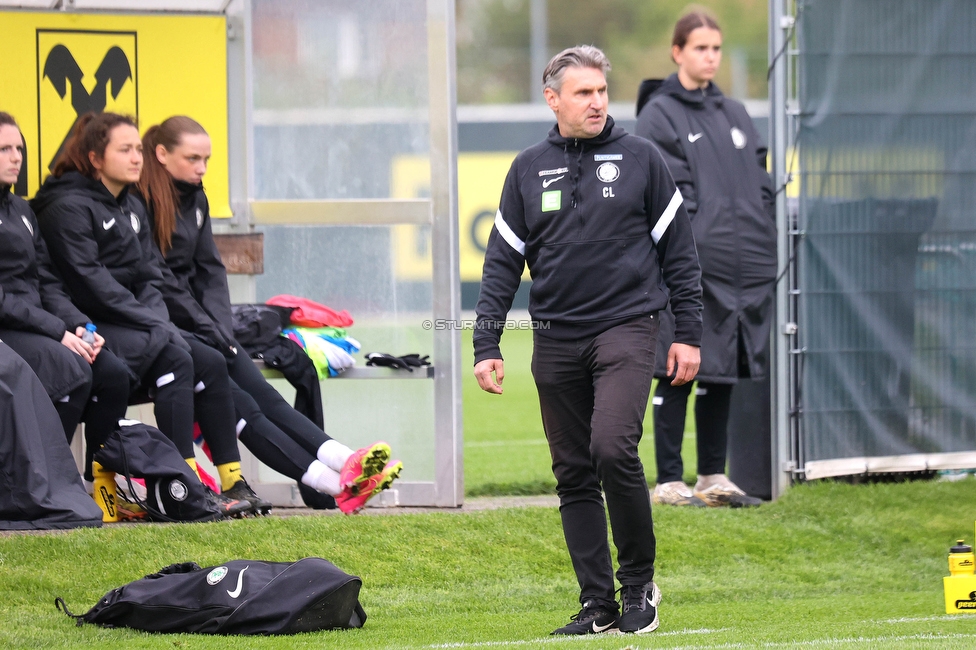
(717, 491)
(675, 493)
(228, 507)
(243, 492)
(640, 608)
(592, 619)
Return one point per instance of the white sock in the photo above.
(334, 454)
(321, 478)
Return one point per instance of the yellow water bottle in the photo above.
(961, 559)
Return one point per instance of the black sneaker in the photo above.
(592, 619)
(228, 507)
(243, 492)
(640, 608)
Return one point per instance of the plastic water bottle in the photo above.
(88, 336)
(961, 559)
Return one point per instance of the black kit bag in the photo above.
(173, 491)
(238, 597)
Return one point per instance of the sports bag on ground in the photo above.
(173, 490)
(238, 597)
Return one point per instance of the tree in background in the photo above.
(493, 44)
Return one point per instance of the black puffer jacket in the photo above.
(102, 247)
(718, 161)
(34, 299)
(194, 278)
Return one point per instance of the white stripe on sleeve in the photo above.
(508, 235)
(666, 218)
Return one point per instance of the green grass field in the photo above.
(829, 565)
(505, 450)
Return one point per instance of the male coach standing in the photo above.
(595, 215)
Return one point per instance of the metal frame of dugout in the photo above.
(436, 212)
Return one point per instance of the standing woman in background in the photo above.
(100, 243)
(718, 162)
(196, 293)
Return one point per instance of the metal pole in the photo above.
(442, 72)
(539, 19)
(780, 440)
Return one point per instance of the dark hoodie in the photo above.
(34, 299)
(194, 278)
(102, 247)
(605, 236)
(718, 161)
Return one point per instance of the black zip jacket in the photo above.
(33, 298)
(194, 278)
(718, 161)
(602, 228)
(102, 248)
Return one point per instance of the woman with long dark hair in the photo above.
(100, 243)
(38, 321)
(196, 292)
(718, 162)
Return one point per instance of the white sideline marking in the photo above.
(507, 443)
(563, 639)
(944, 617)
(722, 646)
(530, 443)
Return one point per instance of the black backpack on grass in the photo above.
(238, 597)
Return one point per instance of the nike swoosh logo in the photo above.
(692, 138)
(108, 224)
(599, 628)
(549, 181)
(240, 583)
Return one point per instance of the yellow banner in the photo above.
(57, 66)
(480, 180)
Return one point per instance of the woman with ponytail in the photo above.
(196, 293)
(100, 243)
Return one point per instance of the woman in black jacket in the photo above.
(196, 293)
(99, 241)
(718, 162)
(38, 321)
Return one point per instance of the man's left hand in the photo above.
(683, 362)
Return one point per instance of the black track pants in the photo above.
(213, 405)
(711, 419)
(169, 380)
(268, 443)
(273, 406)
(593, 395)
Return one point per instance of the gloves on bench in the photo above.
(405, 362)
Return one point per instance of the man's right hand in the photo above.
(484, 370)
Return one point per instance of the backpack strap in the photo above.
(60, 605)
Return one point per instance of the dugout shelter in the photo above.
(333, 176)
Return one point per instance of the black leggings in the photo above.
(711, 419)
(169, 380)
(213, 404)
(277, 434)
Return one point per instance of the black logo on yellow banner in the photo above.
(78, 72)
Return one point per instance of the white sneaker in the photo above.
(675, 493)
(717, 491)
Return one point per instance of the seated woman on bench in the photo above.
(196, 293)
(38, 321)
(99, 241)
